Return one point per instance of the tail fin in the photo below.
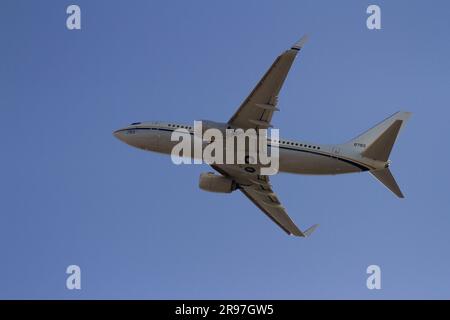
(386, 178)
(377, 143)
(379, 140)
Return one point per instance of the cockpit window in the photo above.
(135, 123)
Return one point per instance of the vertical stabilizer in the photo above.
(378, 141)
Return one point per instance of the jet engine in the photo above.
(209, 181)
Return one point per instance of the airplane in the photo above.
(367, 152)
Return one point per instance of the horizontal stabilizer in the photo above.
(385, 177)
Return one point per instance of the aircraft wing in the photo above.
(257, 110)
(258, 189)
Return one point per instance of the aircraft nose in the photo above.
(120, 134)
(131, 136)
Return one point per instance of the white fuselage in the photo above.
(294, 156)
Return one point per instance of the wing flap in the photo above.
(258, 189)
(275, 212)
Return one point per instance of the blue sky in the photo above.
(140, 228)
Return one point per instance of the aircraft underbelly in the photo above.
(150, 141)
(292, 161)
(304, 162)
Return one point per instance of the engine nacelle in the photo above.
(212, 182)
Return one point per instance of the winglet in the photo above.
(310, 230)
(300, 43)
